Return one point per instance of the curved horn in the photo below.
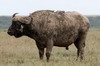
(14, 14)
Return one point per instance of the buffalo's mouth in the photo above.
(17, 35)
(10, 33)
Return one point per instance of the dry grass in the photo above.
(23, 52)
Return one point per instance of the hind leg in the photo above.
(80, 50)
(80, 44)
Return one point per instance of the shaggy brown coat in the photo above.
(49, 28)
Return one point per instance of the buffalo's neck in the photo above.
(33, 33)
(28, 31)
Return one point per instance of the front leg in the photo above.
(41, 53)
(40, 49)
(49, 48)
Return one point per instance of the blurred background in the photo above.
(90, 8)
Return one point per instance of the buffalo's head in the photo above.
(17, 27)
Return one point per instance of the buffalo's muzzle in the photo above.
(10, 33)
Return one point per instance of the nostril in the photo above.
(10, 33)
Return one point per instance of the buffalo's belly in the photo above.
(65, 40)
(63, 43)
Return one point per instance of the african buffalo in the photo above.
(49, 28)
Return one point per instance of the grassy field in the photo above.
(23, 52)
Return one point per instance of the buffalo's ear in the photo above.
(25, 20)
